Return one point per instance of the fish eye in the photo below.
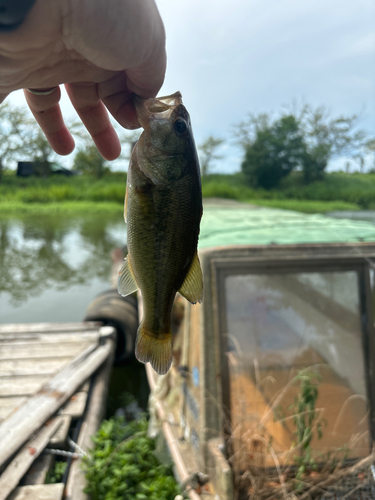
(180, 125)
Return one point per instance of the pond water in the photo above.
(52, 266)
(367, 215)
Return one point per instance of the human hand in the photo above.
(102, 50)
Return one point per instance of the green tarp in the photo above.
(238, 224)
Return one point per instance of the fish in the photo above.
(163, 210)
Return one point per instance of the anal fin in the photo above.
(192, 287)
(126, 283)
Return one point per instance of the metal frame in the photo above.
(283, 259)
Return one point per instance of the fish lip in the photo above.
(155, 107)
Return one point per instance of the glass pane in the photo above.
(284, 325)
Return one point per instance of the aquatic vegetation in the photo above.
(122, 464)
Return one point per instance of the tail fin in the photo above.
(155, 348)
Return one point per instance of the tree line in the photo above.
(303, 138)
(21, 139)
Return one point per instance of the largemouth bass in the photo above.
(163, 209)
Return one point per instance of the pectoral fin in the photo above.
(126, 283)
(192, 287)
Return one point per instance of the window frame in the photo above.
(361, 265)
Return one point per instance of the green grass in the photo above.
(88, 207)
(54, 189)
(338, 191)
(309, 207)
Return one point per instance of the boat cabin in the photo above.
(273, 373)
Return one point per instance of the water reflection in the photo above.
(48, 254)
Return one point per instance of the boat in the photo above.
(271, 389)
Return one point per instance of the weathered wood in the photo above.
(53, 337)
(48, 327)
(38, 492)
(94, 415)
(75, 406)
(11, 476)
(85, 387)
(38, 366)
(9, 404)
(21, 386)
(39, 469)
(16, 429)
(59, 438)
(31, 350)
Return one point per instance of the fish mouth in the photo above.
(157, 107)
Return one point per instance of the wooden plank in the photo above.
(75, 406)
(8, 405)
(93, 417)
(31, 366)
(39, 469)
(59, 438)
(53, 337)
(30, 350)
(21, 386)
(11, 401)
(11, 476)
(48, 327)
(16, 429)
(85, 387)
(38, 492)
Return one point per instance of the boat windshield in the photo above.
(294, 348)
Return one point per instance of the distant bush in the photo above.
(355, 189)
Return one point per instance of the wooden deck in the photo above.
(53, 376)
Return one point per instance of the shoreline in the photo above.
(90, 207)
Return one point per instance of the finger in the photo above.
(3, 97)
(118, 100)
(94, 116)
(47, 113)
(147, 79)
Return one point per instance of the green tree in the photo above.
(275, 152)
(328, 137)
(90, 161)
(39, 149)
(208, 153)
(13, 135)
(324, 137)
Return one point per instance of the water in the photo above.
(366, 215)
(51, 267)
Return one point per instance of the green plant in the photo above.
(306, 421)
(56, 474)
(122, 464)
(276, 151)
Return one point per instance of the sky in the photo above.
(228, 58)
